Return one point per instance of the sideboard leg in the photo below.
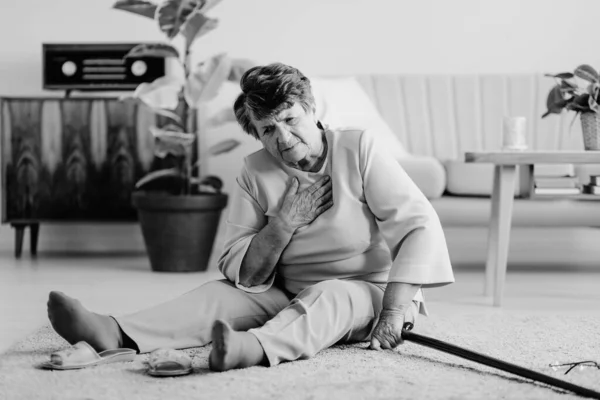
(34, 233)
(19, 233)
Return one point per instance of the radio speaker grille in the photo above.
(97, 67)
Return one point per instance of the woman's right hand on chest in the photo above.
(301, 208)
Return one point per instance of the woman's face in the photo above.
(292, 137)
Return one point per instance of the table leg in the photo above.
(34, 232)
(19, 234)
(492, 249)
(499, 231)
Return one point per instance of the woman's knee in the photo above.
(218, 284)
(344, 292)
(215, 289)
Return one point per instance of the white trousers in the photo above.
(288, 327)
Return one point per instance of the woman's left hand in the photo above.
(388, 331)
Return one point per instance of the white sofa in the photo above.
(444, 116)
(429, 122)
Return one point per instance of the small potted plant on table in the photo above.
(584, 100)
(179, 210)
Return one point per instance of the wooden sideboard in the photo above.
(71, 160)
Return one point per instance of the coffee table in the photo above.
(505, 171)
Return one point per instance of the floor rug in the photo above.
(342, 372)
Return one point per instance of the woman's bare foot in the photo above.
(74, 323)
(233, 349)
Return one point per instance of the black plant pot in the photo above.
(179, 231)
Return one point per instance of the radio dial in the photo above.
(139, 68)
(69, 68)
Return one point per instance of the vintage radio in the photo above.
(97, 66)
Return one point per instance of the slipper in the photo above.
(169, 362)
(82, 355)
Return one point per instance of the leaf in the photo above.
(197, 25)
(562, 75)
(172, 14)
(163, 173)
(173, 133)
(161, 50)
(239, 66)
(568, 86)
(582, 99)
(222, 117)
(594, 90)
(163, 149)
(169, 114)
(587, 73)
(176, 69)
(140, 7)
(580, 103)
(223, 147)
(208, 4)
(206, 78)
(172, 128)
(171, 142)
(211, 181)
(555, 101)
(162, 93)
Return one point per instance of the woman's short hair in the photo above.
(269, 89)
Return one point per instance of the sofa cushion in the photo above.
(342, 102)
(472, 179)
(469, 179)
(428, 173)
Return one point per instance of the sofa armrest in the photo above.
(427, 172)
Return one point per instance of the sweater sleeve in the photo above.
(405, 218)
(246, 218)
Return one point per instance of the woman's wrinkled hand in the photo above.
(301, 208)
(388, 331)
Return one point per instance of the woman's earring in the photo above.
(319, 125)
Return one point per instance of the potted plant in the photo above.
(179, 210)
(578, 91)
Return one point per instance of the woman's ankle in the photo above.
(124, 341)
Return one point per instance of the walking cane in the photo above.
(493, 362)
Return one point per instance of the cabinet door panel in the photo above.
(71, 159)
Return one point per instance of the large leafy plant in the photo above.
(184, 90)
(577, 91)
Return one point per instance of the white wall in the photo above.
(328, 36)
(321, 37)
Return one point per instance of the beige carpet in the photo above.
(343, 372)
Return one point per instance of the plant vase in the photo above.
(590, 126)
(179, 231)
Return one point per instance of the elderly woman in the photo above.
(328, 241)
